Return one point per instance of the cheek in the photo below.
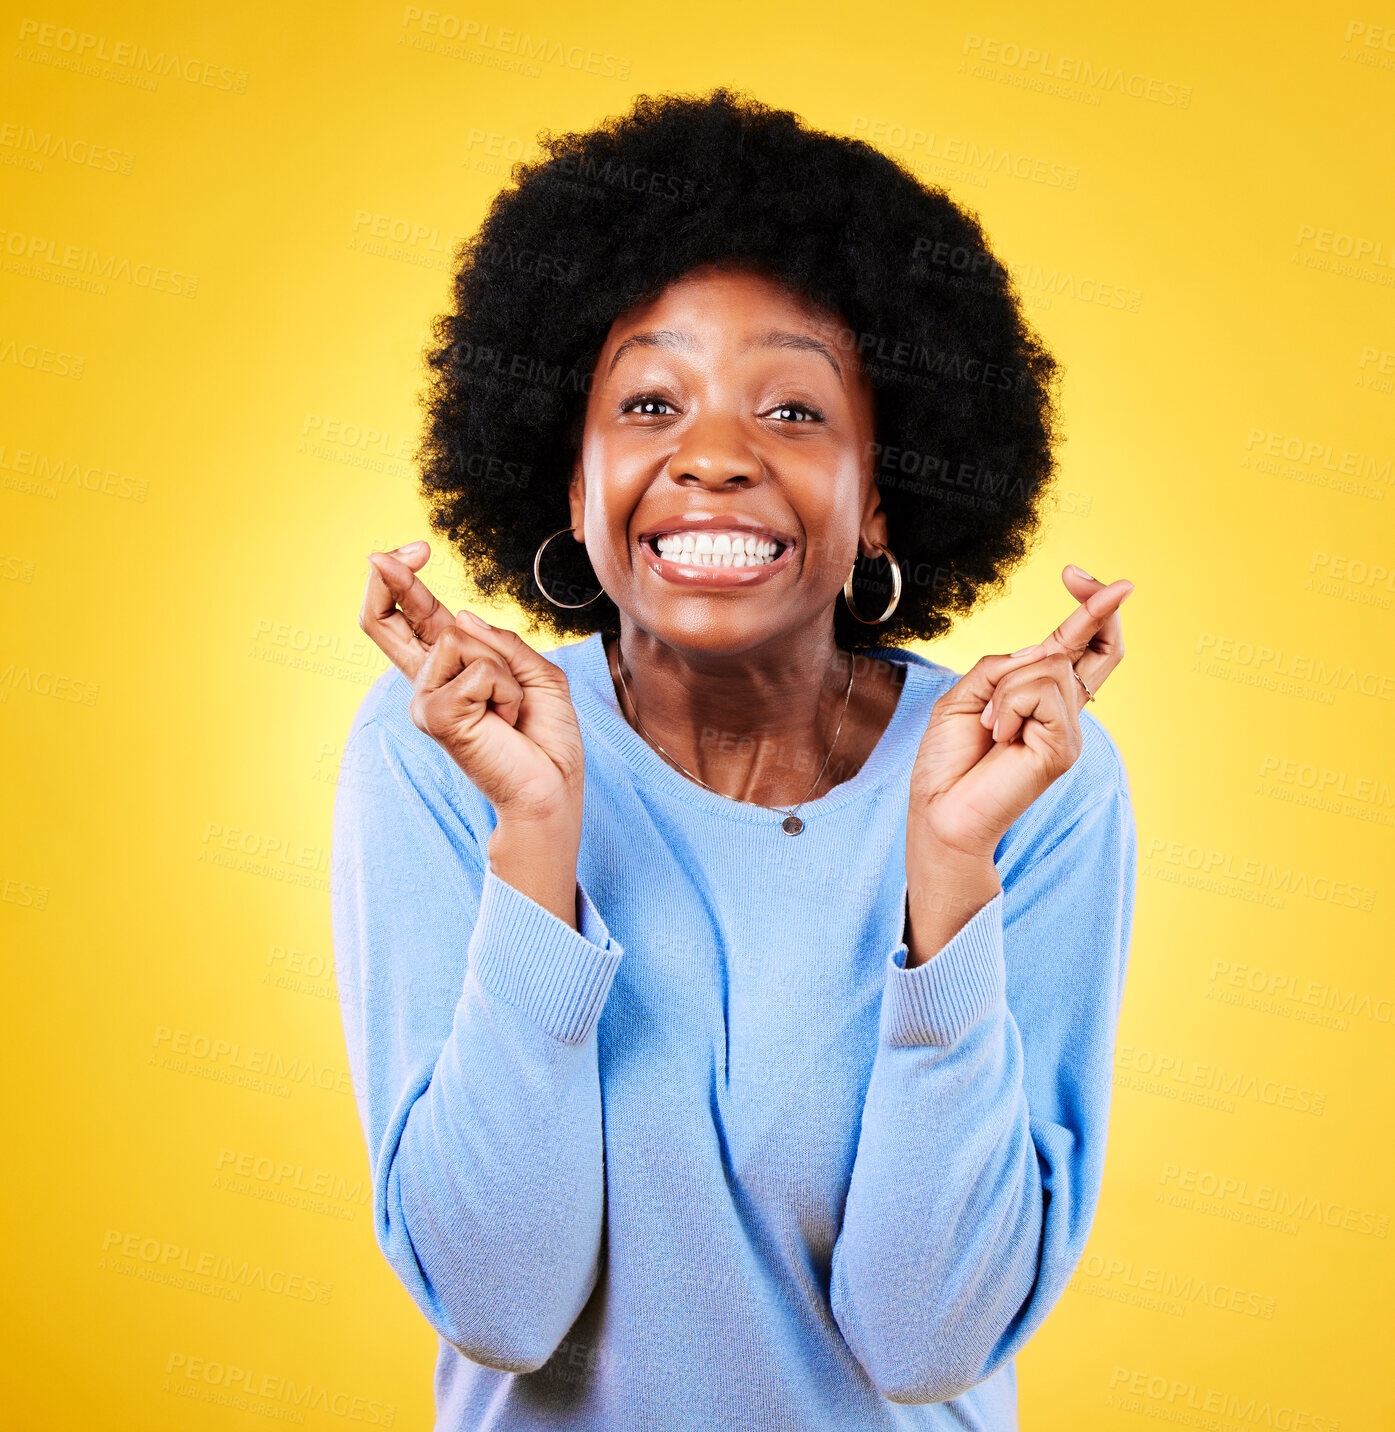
(616, 480)
(828, 493)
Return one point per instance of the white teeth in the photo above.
(724, 549)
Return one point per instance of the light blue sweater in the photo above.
(719, 1160)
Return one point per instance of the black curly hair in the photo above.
(965, 393)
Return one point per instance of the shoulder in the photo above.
(1095, 789)
(388, 762)
(384, 708)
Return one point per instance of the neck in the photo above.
(755, 725)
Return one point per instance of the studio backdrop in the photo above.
(223, 242)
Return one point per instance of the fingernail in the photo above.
(1082, 571)
(1126, 596)
(995, 730)
(1022, 651)
(475, 621)
(410, 548)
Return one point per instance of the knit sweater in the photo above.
(718, 1158)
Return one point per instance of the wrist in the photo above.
(945, 889)
(923, 840)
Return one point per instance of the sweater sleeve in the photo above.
(470, 1017)
(981, 1150)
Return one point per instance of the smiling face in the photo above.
(724, 479)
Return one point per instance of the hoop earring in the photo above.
(895, 589)
(537, 560)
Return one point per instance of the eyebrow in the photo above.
(778, 338)
(656, 338)
(775, 338)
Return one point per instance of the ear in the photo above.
(576, 498)
(873, 527)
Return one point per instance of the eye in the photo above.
(648, 402)
(808, 414)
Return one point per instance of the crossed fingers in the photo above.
(400, 613)
(1054, 679)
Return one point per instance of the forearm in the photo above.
(496, 1189)
(539, 859)
(489, 1180)
(942, 1229)
(945, 889)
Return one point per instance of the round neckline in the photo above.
(598, 693)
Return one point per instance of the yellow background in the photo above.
(192, 481)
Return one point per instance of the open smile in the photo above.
(730, 558)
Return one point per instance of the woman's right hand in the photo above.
(501, 711)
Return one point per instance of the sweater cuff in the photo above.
(557, 976)
(939, 1001)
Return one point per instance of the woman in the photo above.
(731, 1003)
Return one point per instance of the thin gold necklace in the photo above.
(791, 824)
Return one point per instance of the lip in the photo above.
(716, 576)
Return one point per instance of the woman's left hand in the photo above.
(1004, 732)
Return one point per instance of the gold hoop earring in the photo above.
(895, 589)
(537, 561)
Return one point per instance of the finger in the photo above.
(1093, 634)
(1098, 604)
(1041, 712)
(1092, 637)
(527, 666)
(380, 619)
(1056, 666)
(1003, 715)
(460, 681)
(399, 612)
(1071, 684)
(974, 690)
(425, 615)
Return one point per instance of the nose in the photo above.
(714, 452)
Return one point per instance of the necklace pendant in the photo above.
(791, 825)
